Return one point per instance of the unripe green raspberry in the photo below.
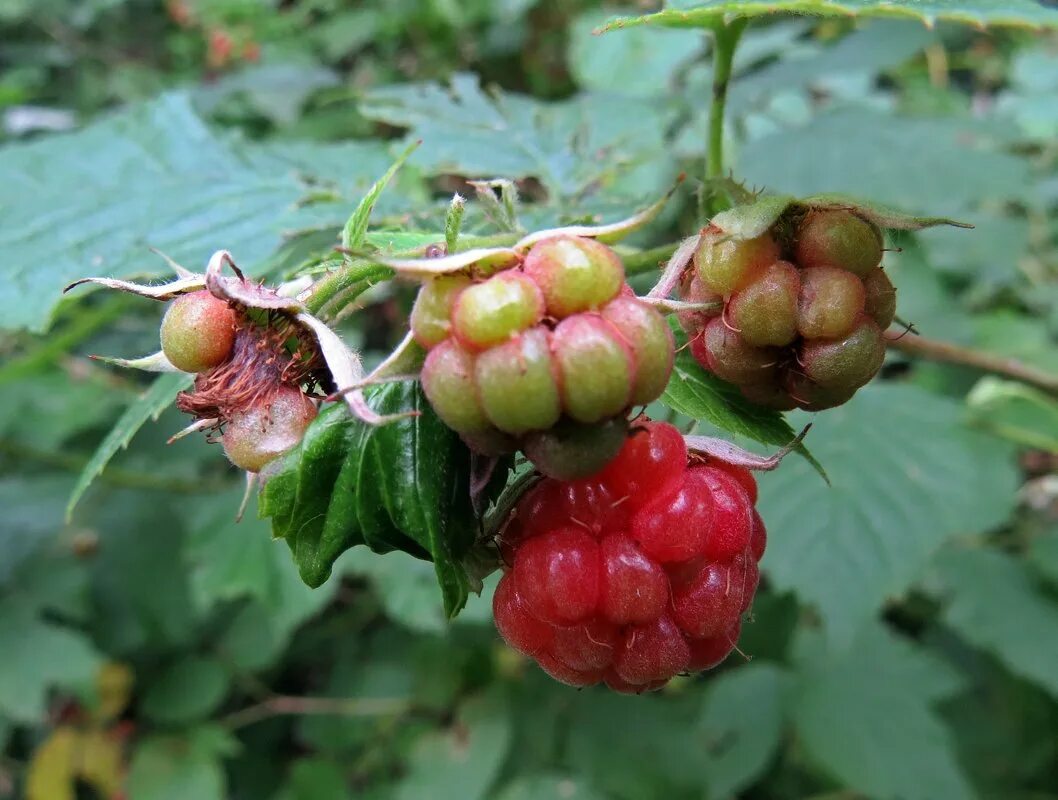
(653, 347)
(595, 367)
(845, 364)
(517, 383)
(448, 382)
(198, 332)
(839, 239)
(765, 311)
(813, 397)
(256, 436)
(489, 313)
(727, 265)
(881, 297)
(431, 314)
(732, 359)
(571, 451)
(830, 302)
(575, 274)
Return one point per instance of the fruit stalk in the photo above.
(725, 41)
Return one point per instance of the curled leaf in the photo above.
(670, 276)
(160, 291)
(155, 362)
(241, 291)
(487, 259)
(732, 454)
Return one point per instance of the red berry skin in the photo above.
(740, 474)
(732, 520)
(676, 527)
(595, 366)
(708, 604)
(586, 647)
(567, 675)
(557, 575)
(615, 683)
(634, 588)
(709, 653)
(758, 540)
(651, 462)
(749, 586)
(574, 274)
(198, 332)
(655, 651)
(521, 630)
(726, 354)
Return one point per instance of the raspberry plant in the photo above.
(540, 390)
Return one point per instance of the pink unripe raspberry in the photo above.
(198, 332)
(595, 367)
(257, 435)
(489, 313)
(574, 273)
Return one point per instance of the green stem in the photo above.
(725, 40)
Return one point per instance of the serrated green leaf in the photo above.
(742, 725)
(934, 165)
(147, 406)
(979, 13)
(38, 656)
(591, 145)
(866, 718)
(356, 226)
(992, 602)
(906, 475)
(400, 486)
(186, 690)
(700, 395)
(157, 177)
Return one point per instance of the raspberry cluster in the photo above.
(636, 575)
(803, 314)
(547, 356)
(247, 382)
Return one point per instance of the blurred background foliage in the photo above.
(905, 641)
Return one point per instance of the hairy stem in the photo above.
(946, 352)
(725, 41)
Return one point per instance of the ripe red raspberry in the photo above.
(805, 332)
(636, 575)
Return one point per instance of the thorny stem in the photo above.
(124, 478)
(335, 706)
(725, 40)
(922, 347)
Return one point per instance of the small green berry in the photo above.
(731, 358)
(517, 383)
(595, 366)
(448, 382)
(645, 331)
(726, 265)
(845, 364)
(574, 273)
(881, 297)
(830, 302)
(838, 238)
(491, 312)
(198, 332)
(430, 316)
(765, 311)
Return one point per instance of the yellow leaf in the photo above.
(100, 762)
(114, 687)
(51, 770)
